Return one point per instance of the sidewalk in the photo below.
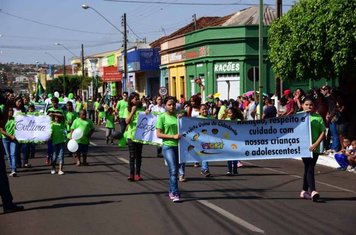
(327, 160)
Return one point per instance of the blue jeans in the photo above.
(58, 154)
(10, 147)
(204, 166)
(335, 145)
(170, 154)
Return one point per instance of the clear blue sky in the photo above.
(64, 21)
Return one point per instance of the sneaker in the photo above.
(182, 178)
(53, 172)
(13, 174)
(205, 173)
(138, 178)
(176, 198)
(196, 164)
(239, 164)
(228, 173)
(171, 196)
(353, 170)
(315, 196)
(60, 173)
(349, 168)
(131, 178)
(305, 195)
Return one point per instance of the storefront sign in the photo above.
(111, 74)
(227, 67)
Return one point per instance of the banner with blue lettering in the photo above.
(220, 140)
(146, 129)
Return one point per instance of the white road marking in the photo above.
(299, 177)
(94, 144)
(230, 216)
(123, 160)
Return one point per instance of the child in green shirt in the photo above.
(87, 126)
(110, 125)
(318, 134)
(58, 138)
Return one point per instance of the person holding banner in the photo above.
(233, 114)
(9, 141)
(135, 148)
(167, 130)
(204, 165)
(318, 134)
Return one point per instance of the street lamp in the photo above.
(124, 33)
(59, 44)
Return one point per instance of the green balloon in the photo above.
(70, 96)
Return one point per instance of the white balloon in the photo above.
(56, 94)
(77, 134)
(72, 146)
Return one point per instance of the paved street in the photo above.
(98, 199)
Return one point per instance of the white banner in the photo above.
(218, 140)
(32, 128)
(146, 129)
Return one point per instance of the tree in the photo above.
(72, 83)
(315, 39)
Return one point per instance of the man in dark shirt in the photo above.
(270, 110)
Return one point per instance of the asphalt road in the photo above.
(98, 199)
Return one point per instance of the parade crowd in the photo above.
(329, 127)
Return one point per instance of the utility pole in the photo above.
(260, 57)
(195, 21)
(279, 8)
(123, 81)
(83, 75)
(64, 75)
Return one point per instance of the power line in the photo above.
(53, 26)
(188, 3)
(134, 32)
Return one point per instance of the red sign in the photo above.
(111, 74)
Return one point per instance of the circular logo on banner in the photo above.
(163, 90)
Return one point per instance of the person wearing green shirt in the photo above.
(96, 110)
(9, 141)
(121, 106)
(69, 116)
(78, 105)
(167, 130)
(110, 125)
(135, 148)
(317, 134)
(87, 126)
(58, 138)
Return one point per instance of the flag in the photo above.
(39, 90)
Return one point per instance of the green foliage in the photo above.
(315, 39)
(71, 83)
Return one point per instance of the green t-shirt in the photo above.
(221, 111)
(131, 127)
(96, 105)
(168, 124)
(10, 127)
(54, 110)
(69, 118)
(78, 106)
(121, 107)
(58, 135)
(317, 127)
(86, 126)
(109, 121)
